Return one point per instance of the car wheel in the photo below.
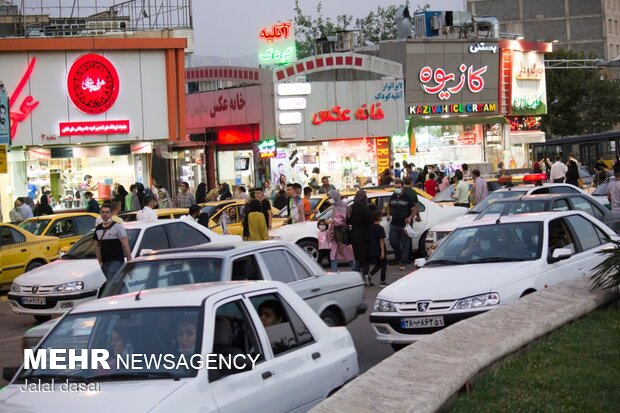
(33, 265)
(330, 318)
(398, 347)
(311, 247)
(42, 318)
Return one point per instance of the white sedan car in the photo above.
(76, 278)
(305, 234)
(443, 229)
(272, 354)
(485, 264)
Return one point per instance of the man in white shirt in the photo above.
(194, 213)
(147, 213)
(558, 171)
(613, 192)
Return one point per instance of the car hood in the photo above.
(295, 230)
(454, 281)
(454, 223)
(60, 271)
(120, 396)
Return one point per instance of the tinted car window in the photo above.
(144, 275)
(563, 190)
(154, 239)
(560, 205)
(301, 270)
(585, 231)
(183, 235)
(278, 266)
(245, 268)
(83, 224)
(560, 236)
(582, 204)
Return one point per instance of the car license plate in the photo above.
(38, 301)
(422, 322)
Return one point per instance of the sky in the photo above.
(229, 28)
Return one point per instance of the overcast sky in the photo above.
(230, 28)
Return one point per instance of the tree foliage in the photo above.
(578, 101)
(378, 25)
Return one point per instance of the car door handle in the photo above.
(266, 375)
(316, 355)
(315, 290)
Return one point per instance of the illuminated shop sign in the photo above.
(481, 47)
(525, 123)
(383, 154)
(93, 84)
(528, 87)
(236, 102)
(337, 114)
(391, 90)
(276, 44)
(470, 77)
(533, 71)
(267, 148)
(449, 109)
(26, 106)
(105, 127)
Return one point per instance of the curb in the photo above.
(423, 377)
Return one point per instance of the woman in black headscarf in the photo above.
(141, 194)
(360, 219)
(120, 195)
(572, 173)
(201, 193)
(225, 192)
(43, 208)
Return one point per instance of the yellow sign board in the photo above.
(4, 166)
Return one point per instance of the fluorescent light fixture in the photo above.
(293, 89)
(289, 118)
(292, 103)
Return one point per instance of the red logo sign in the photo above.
(28, 103)
(336, 114)
(93, 84)
(473, 78)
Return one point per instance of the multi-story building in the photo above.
(591, 26)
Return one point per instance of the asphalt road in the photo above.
(369, 351)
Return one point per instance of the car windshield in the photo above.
(35, 226)
(514, 207)
(445, 195)
(149, 334)
(520, 241)
(144, 275)
(601, 190)
(85, 247)
(494, 197)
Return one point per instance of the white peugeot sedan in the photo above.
(76, 278)
(486, 264)
(305, 234)
(298, 359)
(443, 229)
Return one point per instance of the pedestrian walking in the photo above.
(444, 182)
(479, 190)
(386, 178)
(185, 198)
(119, 194)
(360, 220)
(132, 203)
(558, 171)
(308, 210)
(201, 193)
(269, 191)
(613, 192)
(16, 215)
(163, 198)
(193, 213)
(338, 229)
(295, 204)
(225, 192)
(147, 213)
(254, 224)
(43, 208)
(326, 186)
(572, 173)
(324, 242)
(91, 203)
(401, 211)
(112, 246)
(430, 186)
(376, 250)
(461, 190)
(265, 205)
(214, 193)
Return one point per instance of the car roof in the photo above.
(215, 249)
(529, 217)
(148, 224)
(160, 211)
(188, 295)
(224, 202)
(63, 215)
(541, 197)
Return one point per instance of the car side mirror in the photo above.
(420, 262)
(560, 254)
(9, 372)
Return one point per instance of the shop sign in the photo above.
(530, 72)
(293, 89)
(288, 132)
(391, 90)
(105, 127)
(529, 96)
(28, 104)
(383, 154)
(481, 47)
(336, 114)
(473, 79)
(5, 132)
(525, 123)
(449, 109)
(93, 84)
(267, 148)
(276, 44)
(236, 102)
(4, 166)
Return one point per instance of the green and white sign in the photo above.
(276, 44)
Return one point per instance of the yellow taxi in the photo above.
(68, 227)
(162, 213)
(21, 251)
(234, 210)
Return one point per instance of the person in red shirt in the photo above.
(308, 211)
(430, 186)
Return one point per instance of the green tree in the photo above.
(309, 28)
(607, 273)
(578, 101)
(378, 25)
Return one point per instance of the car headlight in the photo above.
(384, 306)
(477, 301)
(16, 288)
(71, 286)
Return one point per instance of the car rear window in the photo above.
(145, 275)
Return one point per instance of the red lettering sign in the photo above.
(337, 114)
(236, 103)
(441, 88)
(278, 31)
(93, 84)
(27, 105)
(105, 127)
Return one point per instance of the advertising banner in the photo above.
(5, 120)
(276, 44)
(529, 95)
